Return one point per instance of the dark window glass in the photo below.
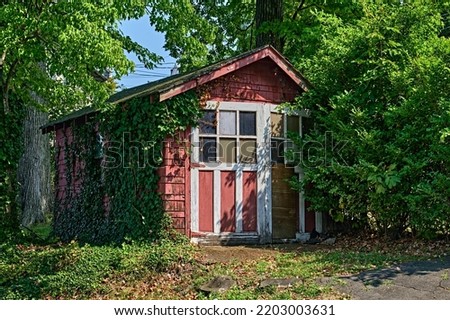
(227, 150)
(208, 149)
(247, 123)
(293, 124)
(277, 150)
(207, 124)
(307, 126)
(248, 151)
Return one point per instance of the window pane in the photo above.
(277, 150)
(208, 150)
(207, 124)
(293, 124)
(247, 123)
(248, 151)
(227, 150)
(227, 123)
(307, 125)
(276, 120)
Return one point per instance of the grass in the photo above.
(176, 269)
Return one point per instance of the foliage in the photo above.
(53, 50)
(381, 102)
(52, 54)
(74, 271)
(201, 32)
(174, 269)
(115, 197)
(10, 130)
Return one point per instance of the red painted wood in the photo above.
(187, 169)
(174, 182)
(249, 196)
(206, 198)
(264, 54)
(262, 81)
(228, 201)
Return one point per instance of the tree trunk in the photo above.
(268, 11)
(34, 169)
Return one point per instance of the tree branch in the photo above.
(294, 16)
(248, 27)
(301, 7)
(5, 86)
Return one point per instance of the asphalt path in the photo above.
(419, 280)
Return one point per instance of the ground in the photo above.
(413, 280)
(355, 267)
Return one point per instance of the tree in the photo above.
(51, 53)
(381, 100)
(268, 12)
(199, 32)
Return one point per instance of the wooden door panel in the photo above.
(284, 204)
(249, 199)
(228, 201)
(206, 201)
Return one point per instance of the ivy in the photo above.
(116, 198)
(10, 152)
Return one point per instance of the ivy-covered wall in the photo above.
(110, 193)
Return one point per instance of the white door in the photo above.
(230, 176)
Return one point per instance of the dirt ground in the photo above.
(214, 254)
(361, 243)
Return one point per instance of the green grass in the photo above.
(74, 271)
(174, 270)
(307, 266)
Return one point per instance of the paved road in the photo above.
(421, 280)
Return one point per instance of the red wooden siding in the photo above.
(262, 81)
(249, 196)
(206, 200)
(174, 181)
(228, 201)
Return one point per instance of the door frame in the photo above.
(262, 169)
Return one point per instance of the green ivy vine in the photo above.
(116, 198)
(10, 152)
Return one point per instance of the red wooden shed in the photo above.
(231, 187)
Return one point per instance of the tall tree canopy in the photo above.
(52, 54)
(202, 31)
(55, 49)
(381, 102)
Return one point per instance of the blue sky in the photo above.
(141, 32)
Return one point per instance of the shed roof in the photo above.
(177, 84)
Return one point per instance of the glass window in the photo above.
(227, 123)
(247, 123)
(277, 150)
(227, 150)
(293, 124)
(248, 151)
(277, 124)
(307, 125)
(208, 149)
(208, 122)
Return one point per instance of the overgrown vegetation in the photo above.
(380, 155)
(10, 152)
(175, 269)
(114, 198)
(75, 271)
